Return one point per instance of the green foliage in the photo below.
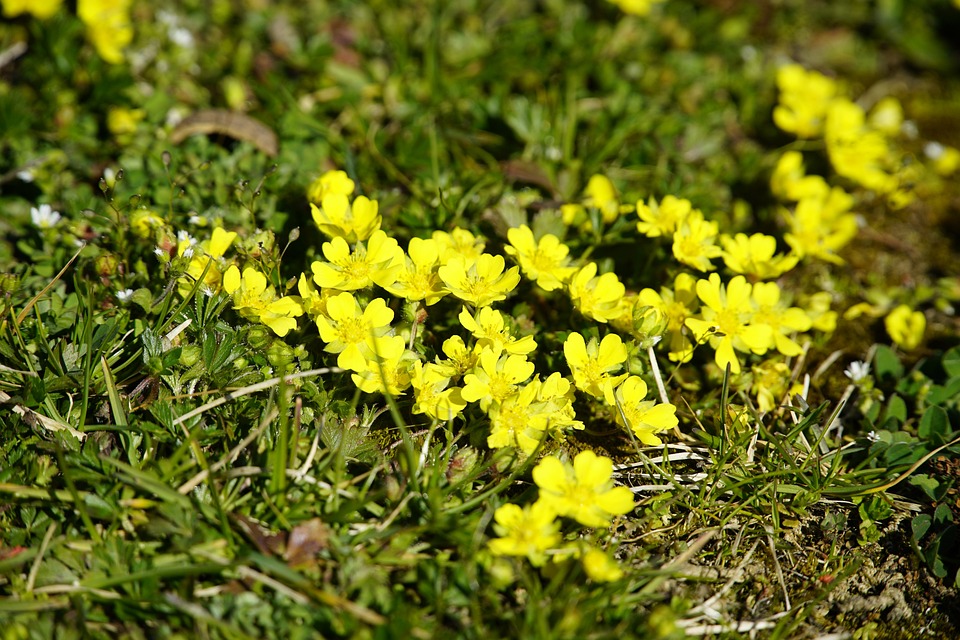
(174, 461)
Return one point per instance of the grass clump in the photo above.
(462, 318)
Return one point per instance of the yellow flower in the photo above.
(906, 327)
(480, 282)
(636, 7)
(600, 567)
(458, 242)
(602, 195)
(434, 396)
(754, 255)
(314, 302)
(789, 181)
(355, 332)
(418, 279)
(597, 297)
(946, 160)
(41, 9)
(591, 364)
(676, 306)
(583, 491)
(545, 262)
(821, 227)
(377, 262)
(495, 377)
(886, 116)
(143, 222)
(122, 121)
(664, 218)
(460, 359)
(769, 383)
(255, 300)
(490, 330)
(522, 418)
(644, 417)
(331, 182)
(727, 319)
(818, 310)
(353, 222)
(206, 259)
(694, 242)
(108, 26)
(389, 371)
(782, 320)
(573, 214)
(529, 532)
(857, 152)
(804, 99)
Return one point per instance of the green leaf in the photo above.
(946, 393)
(934, 424)
(896, 410)
(143, 299)
(927, 484)
(942, 514)
(919, 526)
(951, 362)
(887, 364)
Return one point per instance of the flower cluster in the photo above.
(583, 492)
(866, 149)
(862, 146)
(108, 23)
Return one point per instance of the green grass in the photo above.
(170, 467)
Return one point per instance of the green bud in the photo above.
(259, 244)
(461, 465)
(9, 283)
(107, 265)
(190, 355)
(259, 337)
(154, 365)
(280, 355)
(648, 325)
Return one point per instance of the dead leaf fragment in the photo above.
(305, 541)
(235, 125)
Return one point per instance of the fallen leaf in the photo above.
(235, 125)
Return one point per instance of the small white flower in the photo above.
(196, 220)
(26, 175)
(174, 116)
(110, 177)
(181, 37)
(206, 290)
(857, 371)
(124, 295)
(188, 252)
(44, 216)
(160, 252)
(933, 150)
(873, 436)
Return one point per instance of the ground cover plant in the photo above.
(549, 319)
